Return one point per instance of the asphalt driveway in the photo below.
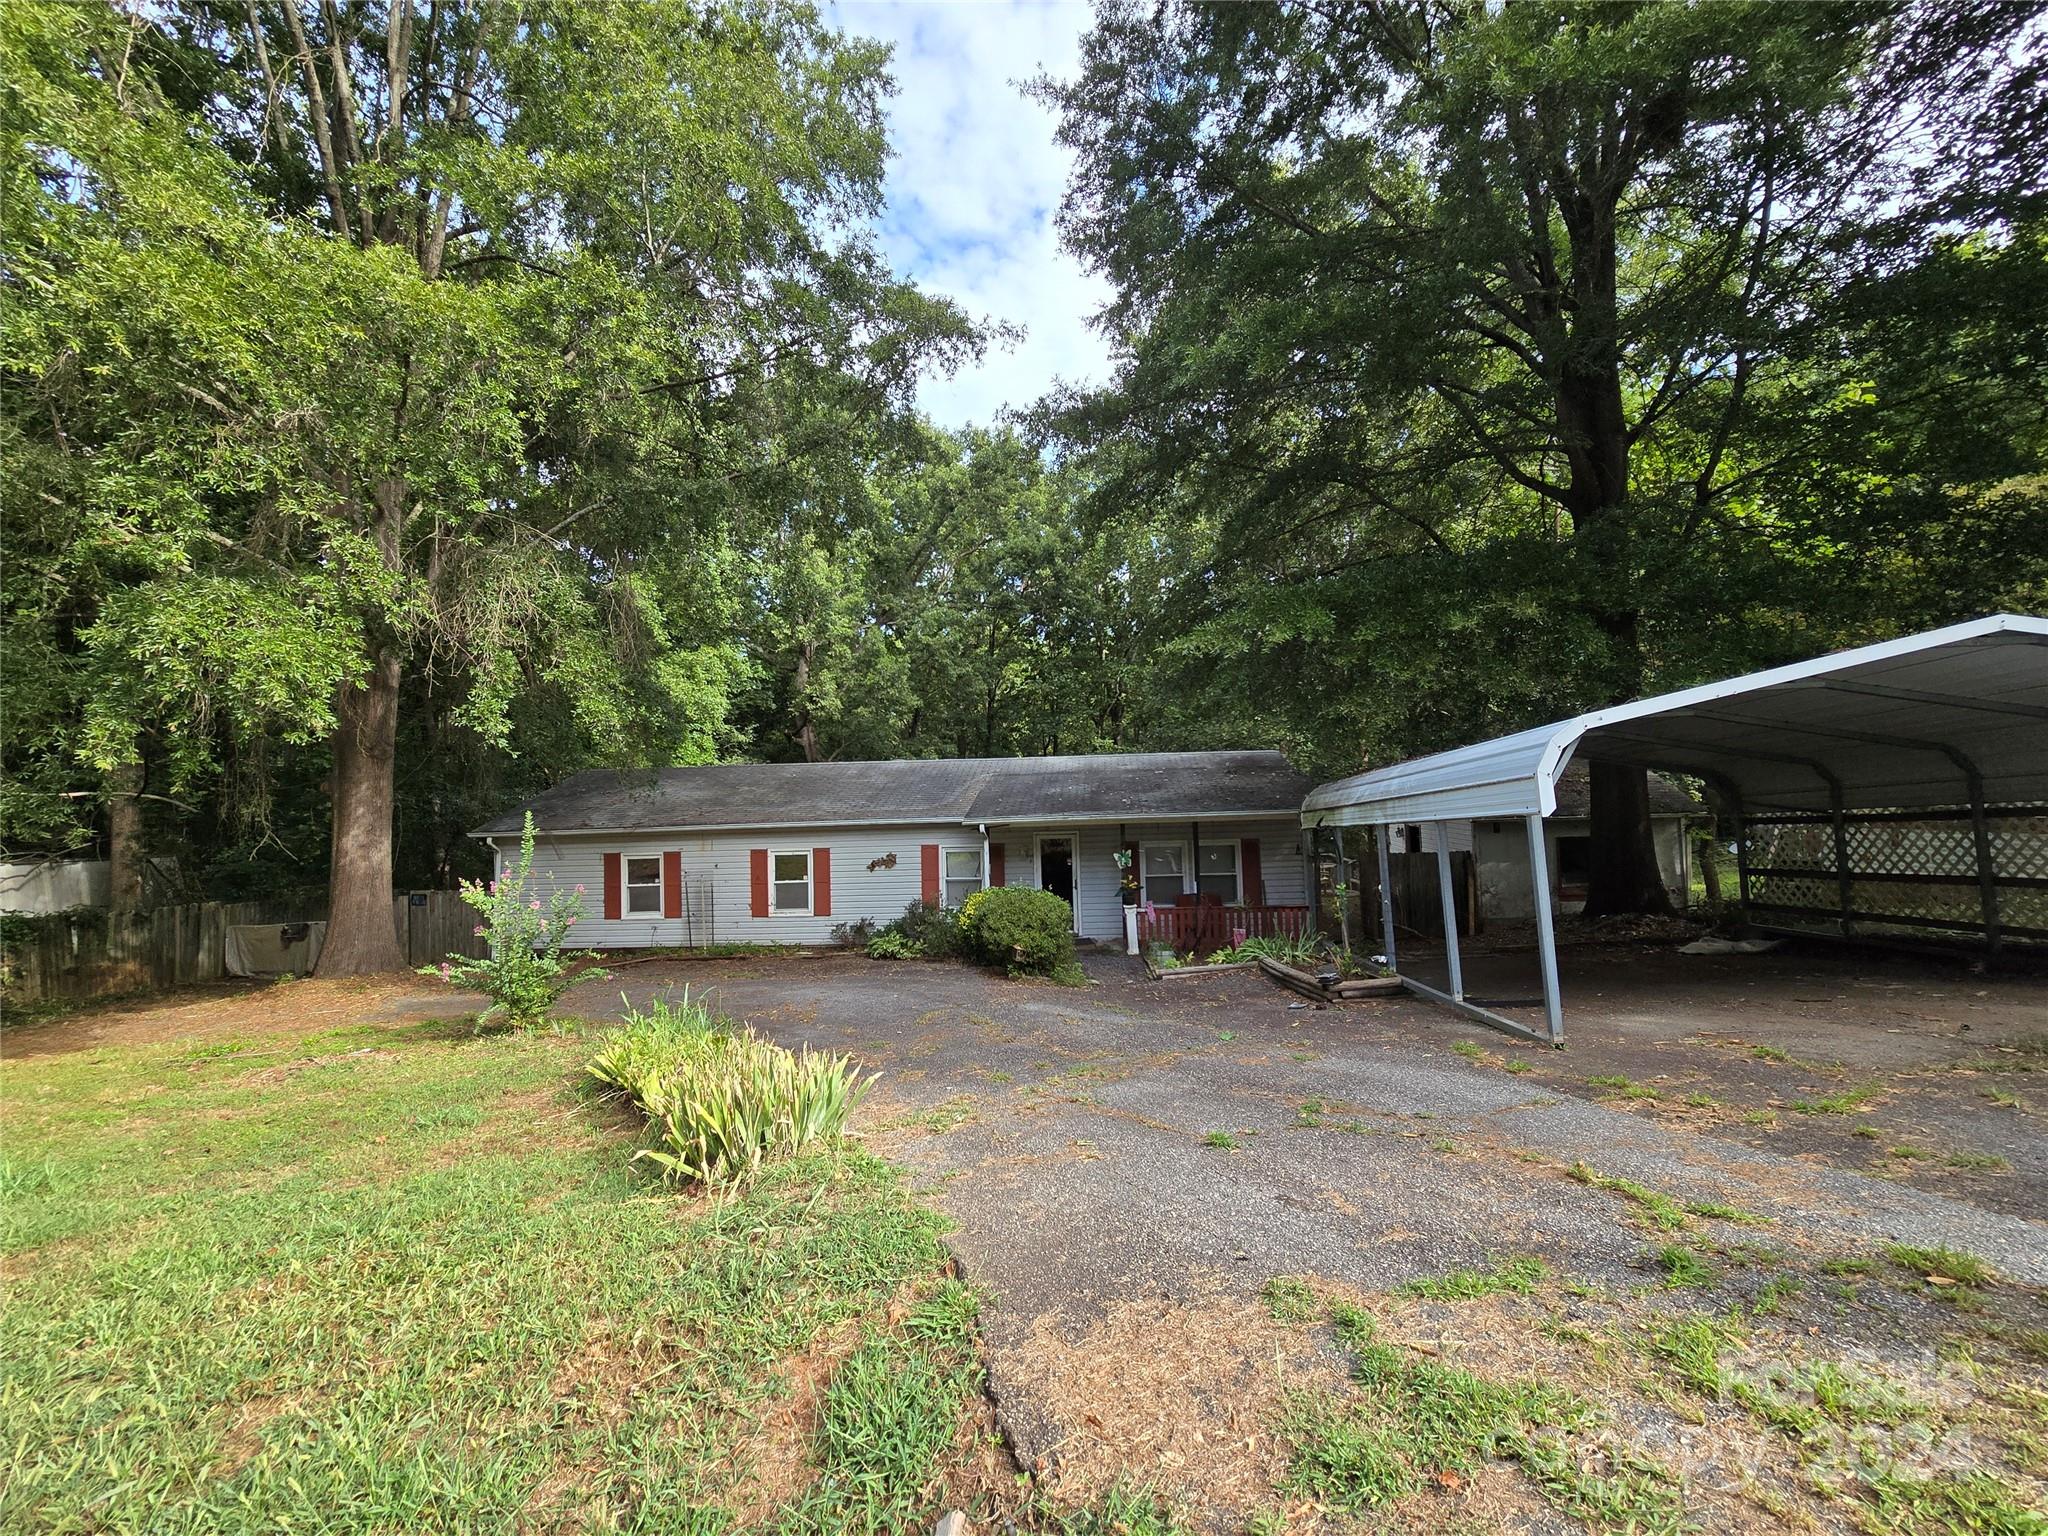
(1177, 1144)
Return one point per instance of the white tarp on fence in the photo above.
(274, 949)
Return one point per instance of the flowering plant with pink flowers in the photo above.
(527, 969)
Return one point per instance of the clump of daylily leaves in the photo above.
(527, 968)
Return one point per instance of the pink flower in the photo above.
(572, 922)
(535, 905)
(494, 887)
(447, 970)
(478, 930)
(579, 890)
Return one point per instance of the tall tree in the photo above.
(493, 289)
(1525, 290)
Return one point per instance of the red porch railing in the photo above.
(1204, 930)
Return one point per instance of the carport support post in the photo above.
(1839, 818)
(1546, 931)
(1337, 888)
(1379, 841)
(1443, 882)
(1987, 865)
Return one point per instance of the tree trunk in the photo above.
(1623, 874)
(806, 724)
(1710, 867)
(127, 849)
(362, 939)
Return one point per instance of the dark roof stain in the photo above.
(1107, 787)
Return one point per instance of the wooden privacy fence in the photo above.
(91, 953)
(1203, 930)
(1418, 899)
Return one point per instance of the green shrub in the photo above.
(932, 929)
(1019, 929)
(890, 944)
(720, 1100)
(527, 970)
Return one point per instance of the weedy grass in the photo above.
(1684, 1266)
(419, 1286)
(1222, 1140)
(1845, 1417)
(1665, 1213)
(1988, 1162)
(1514, 1277)
(890, 1412)
(1416, 1424)
(1291, 1299)
(1942, 1263)
(1846, 1102)
(1126, 1509)
(1628, 1088)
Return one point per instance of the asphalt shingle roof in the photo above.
(1110, 787)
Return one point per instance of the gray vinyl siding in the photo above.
(721, 863)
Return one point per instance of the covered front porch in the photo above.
(1191, 885)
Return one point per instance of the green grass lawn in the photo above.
(401, 1279)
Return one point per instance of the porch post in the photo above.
(1450, 901)
(1546, 931)
(1379, 838)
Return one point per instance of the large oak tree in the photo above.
(468, 313)
(1519, 306)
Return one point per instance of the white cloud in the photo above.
(974, 185)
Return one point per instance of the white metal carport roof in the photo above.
(1953, 717)
(1893, 725)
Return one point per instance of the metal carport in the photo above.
(1942, 730)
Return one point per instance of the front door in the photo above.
(1056, 867)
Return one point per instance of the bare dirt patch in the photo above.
(235, 1010)
(1180, 1396)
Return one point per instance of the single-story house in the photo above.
(786, 852)
(1500, 849)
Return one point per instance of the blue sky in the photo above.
(974, 183)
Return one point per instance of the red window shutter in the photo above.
(995, 864)
(614, 888)
(672, 884)
(1252, 873)
(928, 858)
(759, 859)
(821, 882)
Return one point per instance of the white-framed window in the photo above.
(963, 874)
(1165, 871)
(643, 884)
(791, 874)
(1216, 873)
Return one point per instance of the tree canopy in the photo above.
(409, 405)
(1513, 358)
